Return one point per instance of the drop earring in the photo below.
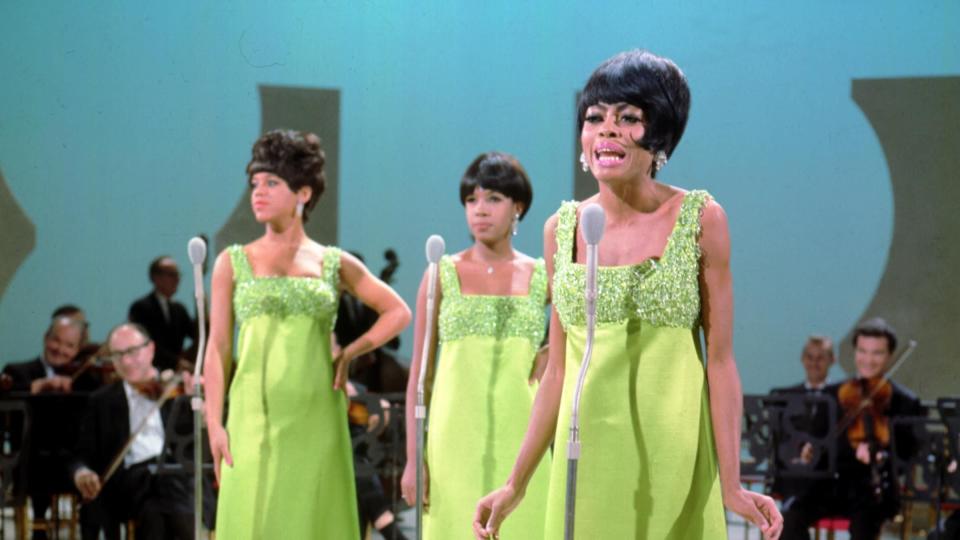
(300, 210)
(583, 163)
(516, 223)
(660, 159)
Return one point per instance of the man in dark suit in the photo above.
(817, 358)
(46, 374)
(61, 343)
(162, 504)
(856, 494)
(164, 318)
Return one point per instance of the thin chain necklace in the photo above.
(491, 263)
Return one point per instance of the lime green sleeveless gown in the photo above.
(647, 466)
(481, 405)
(292, 474)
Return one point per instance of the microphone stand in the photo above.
(573, 442)
(196, 403)
(420, 413)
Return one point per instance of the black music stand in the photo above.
(15, 434)
(381, 453)
(177, 456)
(777, 426)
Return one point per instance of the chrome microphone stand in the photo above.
(197, 249)
(593, 222)
(435, 247)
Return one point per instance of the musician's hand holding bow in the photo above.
(56, 383)
(863, 454)
(88, 483)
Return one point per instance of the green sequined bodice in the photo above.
(284, 296)
(464, 315)
(664, 292)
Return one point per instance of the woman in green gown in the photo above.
(490, 325)
(660, 432)
(284, 460)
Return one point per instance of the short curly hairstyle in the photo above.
(295, 157)
(501, 172)
(654, 84)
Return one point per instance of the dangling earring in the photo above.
(300, 210)
(583, 163)
(516, 223)
(659, 160)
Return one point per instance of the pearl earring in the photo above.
(583, 163)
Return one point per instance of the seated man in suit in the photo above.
(817, 358)
(165, 319)
(47, 372)
(162, 504)
(50, 373)
(865, 490)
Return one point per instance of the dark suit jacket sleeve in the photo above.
(24, 373)
(905, 404)
(139, 312)
(104, 429)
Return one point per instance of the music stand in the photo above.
(177, 456)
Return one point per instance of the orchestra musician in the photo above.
(817, 358)
(53, 370)
(129, 411)
(865, 491)
(164, 318)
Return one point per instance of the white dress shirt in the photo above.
(149, 442)
(164, 306)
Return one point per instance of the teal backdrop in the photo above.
(125, 129)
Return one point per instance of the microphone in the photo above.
(197, 251)
(434, 249)
(592, 223)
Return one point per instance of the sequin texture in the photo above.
(664, 292)
(463, 315)
(285, 296)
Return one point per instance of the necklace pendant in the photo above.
(489, 269)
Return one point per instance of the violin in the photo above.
(166, 386)
(92, 358)
(867, 401)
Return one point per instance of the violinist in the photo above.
(122, 413)
(52, 370)
(865, 491)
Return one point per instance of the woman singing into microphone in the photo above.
(660, 433)
(284, 460)
(491, 323)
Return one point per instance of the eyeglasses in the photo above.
(119, 355)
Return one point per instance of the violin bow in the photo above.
(167, 393)
(91, 361)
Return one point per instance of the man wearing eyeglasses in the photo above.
(165, 319)
(122, 413)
